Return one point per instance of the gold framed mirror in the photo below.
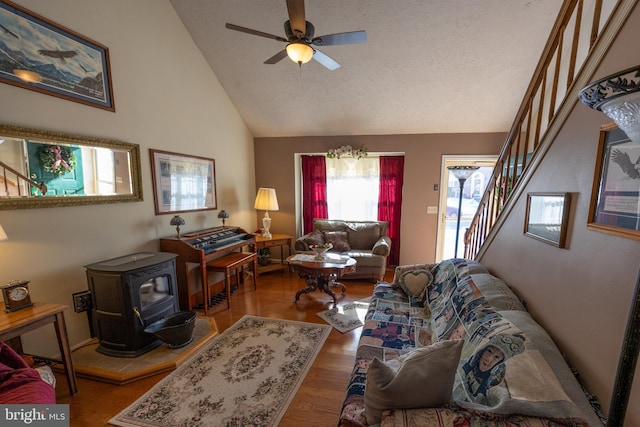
(46, 169)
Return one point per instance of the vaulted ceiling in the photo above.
(428, 66)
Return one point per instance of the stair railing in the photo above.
(17, 181)
(579, 38)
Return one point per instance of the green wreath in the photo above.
(57, 159)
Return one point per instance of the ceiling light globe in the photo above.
(299, 53)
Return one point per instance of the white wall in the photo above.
(167, 98)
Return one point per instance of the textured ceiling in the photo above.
(428, 66)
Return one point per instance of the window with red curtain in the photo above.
(314, 190)
(390, 201)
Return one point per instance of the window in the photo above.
(366, 189)
(353, 188)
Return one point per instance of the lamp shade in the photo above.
(3, 235)
(299, 53)
(266, 200)
(463, 172)
(177, 220)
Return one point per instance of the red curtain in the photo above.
(390, 201)
(314, 190)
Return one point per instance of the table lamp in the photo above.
(266, 200)
(462, 173)
(223, 215)
(177, 221)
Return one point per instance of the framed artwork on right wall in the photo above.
(615, 195)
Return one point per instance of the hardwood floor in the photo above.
(319, 399)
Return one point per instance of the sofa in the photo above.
(365, 241)
(22, 384)
(449, 344)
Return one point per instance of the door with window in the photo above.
(457, 208)
(69, 183)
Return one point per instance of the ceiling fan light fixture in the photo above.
(299, 53)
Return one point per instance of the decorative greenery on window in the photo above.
(347, 151)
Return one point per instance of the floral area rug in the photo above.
(345, 317)
(245, 377)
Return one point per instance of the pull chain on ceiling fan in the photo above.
(300, 38)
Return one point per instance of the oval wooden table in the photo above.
(321, 272)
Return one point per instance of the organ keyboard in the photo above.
(198, 248)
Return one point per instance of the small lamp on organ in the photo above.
(266, 200)
(223, 215)
(3, 235)
(177, 221)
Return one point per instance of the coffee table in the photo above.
(321, 273)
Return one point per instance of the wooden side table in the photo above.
(27, 319)
(282, 240)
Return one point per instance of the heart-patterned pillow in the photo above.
(415, 282)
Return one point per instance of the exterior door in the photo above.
(450, 210)
(70, 183)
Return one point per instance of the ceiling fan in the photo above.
(300, 38)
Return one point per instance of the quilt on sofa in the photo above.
(509, 371)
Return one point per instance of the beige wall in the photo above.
(167, 98)
(423, 157)
(580, 294)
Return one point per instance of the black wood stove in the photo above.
(129, 293)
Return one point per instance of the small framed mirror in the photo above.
(44, 169)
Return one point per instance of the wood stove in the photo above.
(127, 294)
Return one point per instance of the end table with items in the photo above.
(281, 240)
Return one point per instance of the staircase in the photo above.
(14, 183)
(581, 35)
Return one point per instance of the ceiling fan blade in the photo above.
(255, 32)
(277, 57)
(325, 60)
(340, 38)
(296, 17)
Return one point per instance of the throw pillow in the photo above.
(315, 238)
(422, 378)
(414, 282)
(401, 269)
(338, 239)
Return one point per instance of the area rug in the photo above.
(344, 317)
(247, 376)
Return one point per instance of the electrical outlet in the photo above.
(432, 210)
(82, 301)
